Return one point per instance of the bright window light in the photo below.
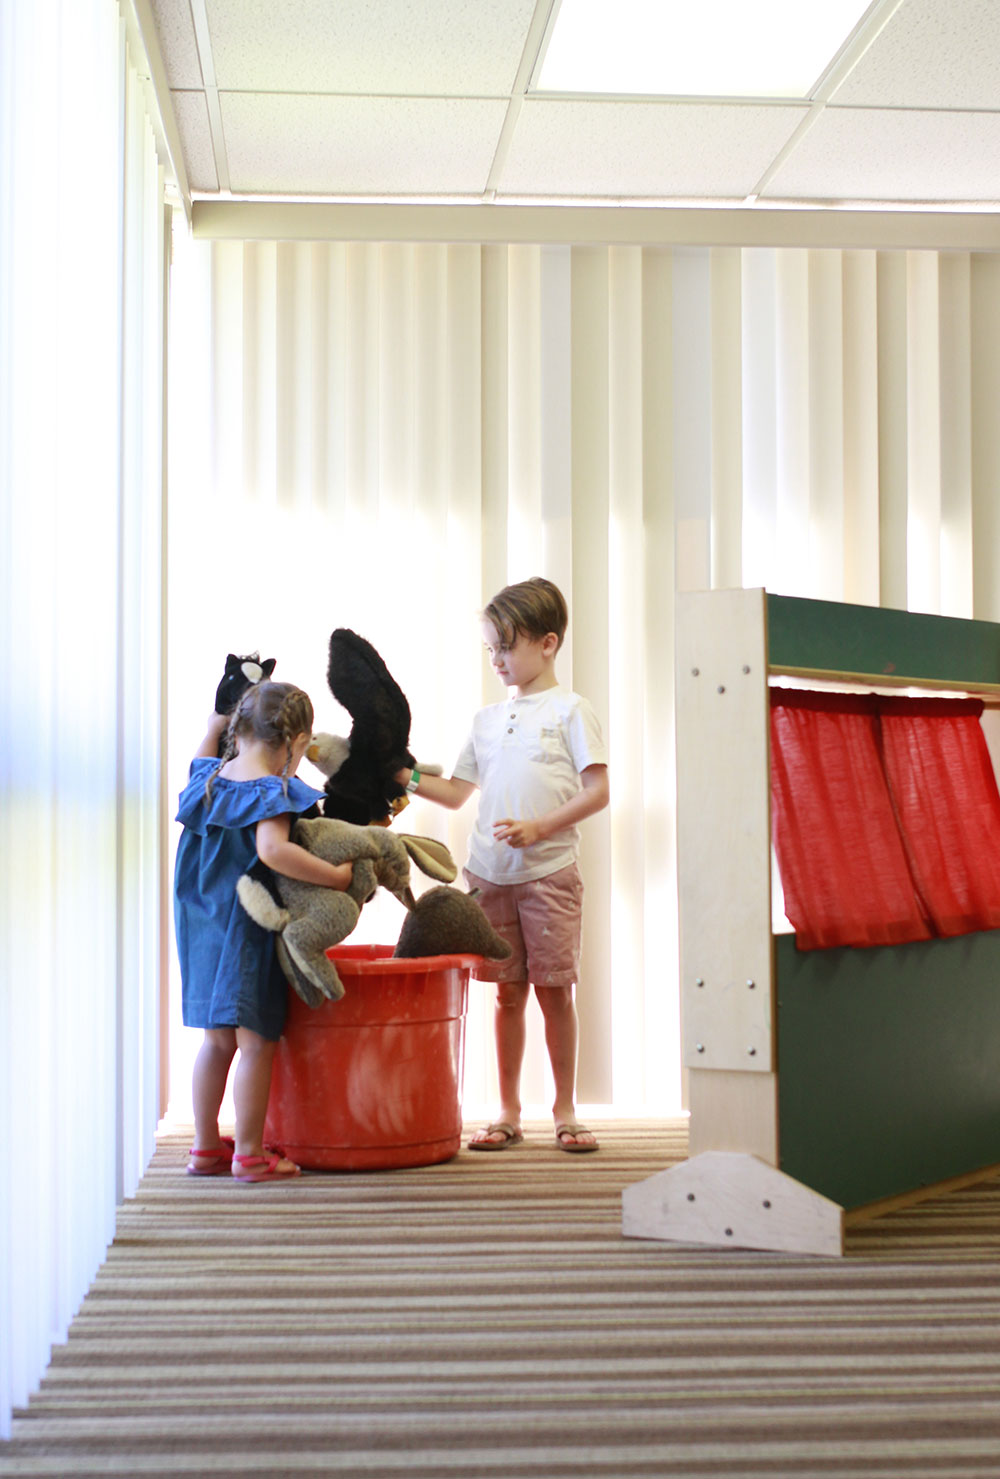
(696, 48)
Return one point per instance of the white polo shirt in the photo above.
(526, 755)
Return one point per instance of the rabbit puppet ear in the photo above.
(430, 856)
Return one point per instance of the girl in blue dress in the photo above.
(236, 809)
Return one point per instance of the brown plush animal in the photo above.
(446, 921)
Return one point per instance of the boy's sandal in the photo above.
(252, 1168)
(503, 1129)
(215, 1161)
(567, 1138)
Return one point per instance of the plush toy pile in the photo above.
(310, 918)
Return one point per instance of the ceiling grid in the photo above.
(365, 101)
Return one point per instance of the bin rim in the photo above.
(378, 960)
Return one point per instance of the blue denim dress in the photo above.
(229, 974)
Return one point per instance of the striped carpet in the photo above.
(485, 1318)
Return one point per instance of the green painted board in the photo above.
(889, 1064)
(875, 640)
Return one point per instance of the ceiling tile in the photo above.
(412, 47)
(191, 112)
(178, 47)
(646, 149)
(285, 145)
(931, 54)
(884, 155)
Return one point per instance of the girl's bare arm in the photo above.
(276, 849)
(214, 730)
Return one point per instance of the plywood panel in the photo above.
(723, 830)
(889, 1064)
(728, 1200)
(734, 1111)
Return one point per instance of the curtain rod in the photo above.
(989, 691)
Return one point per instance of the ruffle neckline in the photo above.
(239, 803)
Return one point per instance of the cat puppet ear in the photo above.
(240, 674)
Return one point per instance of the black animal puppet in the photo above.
(241, 673)
(362, 789)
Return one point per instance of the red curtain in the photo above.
(944, 789)
(885, 817)
(842, 863)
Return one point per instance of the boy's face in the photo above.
(527, 664)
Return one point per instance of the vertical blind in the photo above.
(380, 435)
(82, 844)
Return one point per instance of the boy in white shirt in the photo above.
(540, 764)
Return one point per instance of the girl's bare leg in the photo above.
(208, 1083)
(251, 1088)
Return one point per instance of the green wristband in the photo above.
(414, 780)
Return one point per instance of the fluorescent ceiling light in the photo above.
(696, 48)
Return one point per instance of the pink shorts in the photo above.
(541, 921)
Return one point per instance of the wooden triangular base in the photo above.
(728, 1199)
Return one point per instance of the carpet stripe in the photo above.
(486, 1318)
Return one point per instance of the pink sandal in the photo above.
(218, 1160)
(262, 1168)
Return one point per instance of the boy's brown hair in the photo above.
(531, 608)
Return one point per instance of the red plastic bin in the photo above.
(374, 1081)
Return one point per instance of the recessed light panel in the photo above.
(696, 48)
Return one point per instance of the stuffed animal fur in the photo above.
(241, 673)
(446, 921)
(328, 753)
(361, 788)
(311, 918)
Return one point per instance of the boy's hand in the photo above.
(517, 834)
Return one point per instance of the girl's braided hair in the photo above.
(274, 713)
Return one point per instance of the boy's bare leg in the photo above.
(510, 1033)
(562, 1039)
